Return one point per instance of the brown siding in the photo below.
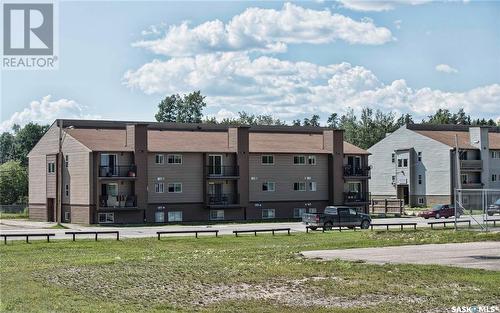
(37, 179)
(283, 209)
(38, 212)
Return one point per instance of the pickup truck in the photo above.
(337, 216)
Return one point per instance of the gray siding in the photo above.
(284, 173)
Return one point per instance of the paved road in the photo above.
(483, 255)
(22, 226)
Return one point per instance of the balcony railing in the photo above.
(471, 165)
(222, 199)
(353, 197)
(119, 201)
(356, 171)
(223, 171)
(118, 171)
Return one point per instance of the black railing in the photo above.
(222, 199)
(353, 197)
(356, 171)
(118, 171)
(223, 171)
(119, 201)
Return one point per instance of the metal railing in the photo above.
(356, 171)
(471, 164)
(119, 201)
(222, 199)
(352, 197)
(223, 171)
(118, 171)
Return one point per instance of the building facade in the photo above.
(127, 172)
(417, 162)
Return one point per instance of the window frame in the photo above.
(494, 177)
(175, 157)
(51, 167)
(106, 220)
(420, 201)
(174, 185)
(159, 157)
(66, 190)
(267, 156)
(299, 156)
(311, 184)
(217, 217)
(158, 189)
(310, 158)
(66, 160)
(267, 210)
(176, 219)
(299, 184)
(267, 184)
(420, 179)
(419, 156)
(298, 215)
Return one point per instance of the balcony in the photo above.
(223, 171)
(472, 185)
(471, 165)
(223, 200)
(356, 197)
(118, 202)
(358, 172)
(118, 171)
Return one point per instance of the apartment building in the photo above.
(417, 162)
(130, 172)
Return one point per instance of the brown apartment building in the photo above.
(133, 172)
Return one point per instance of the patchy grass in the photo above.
(11, 216)
(228, 274)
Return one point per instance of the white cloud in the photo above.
(45, 112)
(378, 5)
(233, 81)
(266, 30)
(445, 68)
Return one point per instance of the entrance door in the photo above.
(109, 164)
(354, 163)
(215, 164)
(403, 193)
(50, 209)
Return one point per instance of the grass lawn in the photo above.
(228, 274)
(11, 216)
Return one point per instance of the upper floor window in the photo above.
(268, 159)
(159, 187)
(174, 159)
(66, 190)
(299, 159)
(393, 157)
(175, 187)
(419, 156)
(462, 155)
(312, 186)
(299, 186)
(268, 186)
(160, 159)
(66, 161)
(311, 160)
(495, 154)
(420, 179)
(51, 167)
(402, 162)
(493, 177)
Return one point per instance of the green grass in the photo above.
(228, 274)
(11, 216)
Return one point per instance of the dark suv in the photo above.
(334, 216)
(494, 208)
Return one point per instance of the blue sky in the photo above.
(287, 59)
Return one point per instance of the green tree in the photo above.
(185, 109)
(13, 182)
(7, 141)
(313, 121)
(25, 139)
(333, 120)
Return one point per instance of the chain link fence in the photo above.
(481, 206)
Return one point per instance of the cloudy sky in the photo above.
(289, 59)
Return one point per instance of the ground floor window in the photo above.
(420, 200)
(268, 213)
(175, 216)
(106, 217)
(312, 210)
(298, 212)
(67, 216)
(216, 215)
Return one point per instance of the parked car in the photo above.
(337, 216)
(494, 208)
(440, 210)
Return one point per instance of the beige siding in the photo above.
(51, 181)
(284, 173)
(37, 179)
(38, 212)
(77, 174)
(189, 173)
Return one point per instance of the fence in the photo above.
(478, 205)
(386, 206)
(13, 208)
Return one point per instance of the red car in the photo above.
(438, 211)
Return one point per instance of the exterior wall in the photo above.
(494, 169)
(38, 212)
(196, 212)
(37, 189)
(79, 214)
(284, 173)
(283, 209)
(435, 166)
(189, 173)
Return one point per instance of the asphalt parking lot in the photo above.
(479, 255)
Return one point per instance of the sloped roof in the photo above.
(352, 149)
(286, 143)
(448, 138)
(188, 141)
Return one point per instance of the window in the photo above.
(495, 154)
(393, 157)
(269, 186)
(312, 210)
(51, 167)
(268, 213)
(175, 187)
(393, 178)
(67, 216)
(462, 155)
(400, 163)
(405, 162)
(464, 178)
(419, 156)
(311, 160)
(174, 159)
(420, 200)
(160, 159)
(299, 159)
(354, 187)
(268, 159)
(298, 212)
(494, 177)
(216, 215)
(159, 187)
(66, 161)
(312, 186)
(420, 179)
(300, 186)
(66, 190)
(106, 217)
(176, 216)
